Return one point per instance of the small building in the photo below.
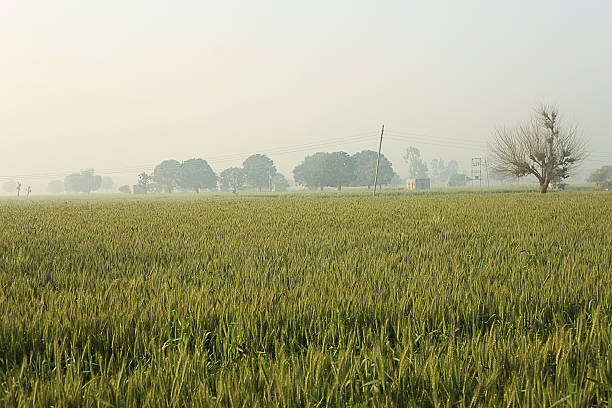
(604, 185)
(417, 184)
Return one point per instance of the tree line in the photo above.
(84, 181)
(258, 171)
(439, 172)
(338, 169)
(601, 175)
(542, 148)
(317, 171)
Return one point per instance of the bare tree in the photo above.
(542, 148)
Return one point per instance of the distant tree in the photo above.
(312, 172)
(83, 182)
(167, 174)
(417, 168)
(76, 183)
(196, 174)
(365, 169)
(232, 179)
(9, 186)
(322, 169)
(279, 182)
(125, 189)
(155, 188)
(542, 148)
(93, 182)
(55, 187)
(457, 180)
(144, 180)
(441, 172)
(397, 180)
(259, 171)
(495, 178)
(107, 183)
(340, 169)
(601, 175)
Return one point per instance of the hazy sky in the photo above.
(121, 85)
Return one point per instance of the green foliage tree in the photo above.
(167, 174)
(84, 182)
(417, 168)
(55, 187)
(259, 170)
(107, 183)
(441, 172)
(457, 180)
(232, 179)
(279, 182)
(322, 169)
(93, 182)
(196, 174)
(312, 172)
(9, 186)
(125, 189)
(154, 187)
(397, 180)
(144, 180)
(340, 169)
(601, 175)
(365, 169)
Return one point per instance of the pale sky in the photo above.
(121, 85)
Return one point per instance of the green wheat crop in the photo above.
(408, 300)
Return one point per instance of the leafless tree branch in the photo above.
(541, 147)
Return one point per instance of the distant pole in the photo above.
(487, 170)
(378, 160)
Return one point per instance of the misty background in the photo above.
(121, 86)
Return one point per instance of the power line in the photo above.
(360, 137)
(445, 140)
(455, 145)
(397, 136)
(421, 138)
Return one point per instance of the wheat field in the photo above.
(432, 300)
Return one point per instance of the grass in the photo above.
(407, 300)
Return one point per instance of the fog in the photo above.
(120, 86)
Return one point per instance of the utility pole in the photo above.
(378, 160)
(487, 171)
